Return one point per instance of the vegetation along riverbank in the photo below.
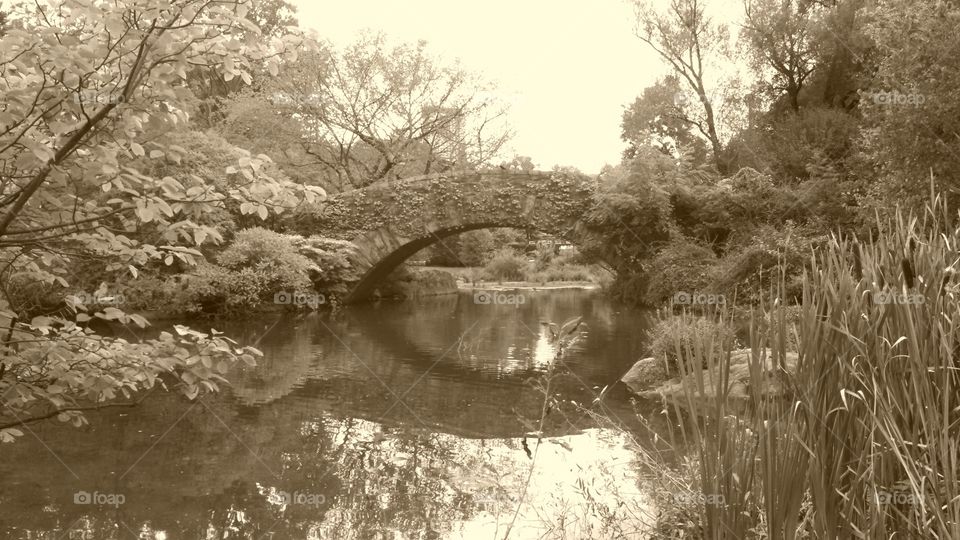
(740, 286)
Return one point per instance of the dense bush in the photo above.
(911, 105)
(630, 216)
(506, 264)
(785, 144)
(332, 271)
(246, 275)
(271, 257)
(690, 333)
(680, 266)
(565, 272)
(703, 212)
(209, 158)
(751, 269)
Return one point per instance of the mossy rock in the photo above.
(740, 390)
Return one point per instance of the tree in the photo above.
(88, 87)
(658, 118)
(373, 112)
(846, 54)
(687, 39)
(912, 105)
(779, 34)
(272, 18)
(629, 218)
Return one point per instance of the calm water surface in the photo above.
(382, 421)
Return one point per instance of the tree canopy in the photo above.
(89, 93)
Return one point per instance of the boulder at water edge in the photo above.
(645, 374)
(740, 390)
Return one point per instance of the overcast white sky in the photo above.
(567, 66)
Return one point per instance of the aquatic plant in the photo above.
(867, 444)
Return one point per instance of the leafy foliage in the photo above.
(506, 264)
(691, 42)
(90, 95)
(471, 248)
(681, 266)
(630, 215)
(911, 103)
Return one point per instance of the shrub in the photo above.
(787, 144)
(757, 198)
(270, 259)
(681, 266)
(699, 331)
(506, 264)
(543, 257)
(332, 270)
(256, 265)
(207, 156)
(751, 269)
(568, 272)
(630, 214)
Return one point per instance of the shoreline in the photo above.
(527, 285)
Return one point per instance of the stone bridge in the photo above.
(390, 221)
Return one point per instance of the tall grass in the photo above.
(863, 440)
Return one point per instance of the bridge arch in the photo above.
(388, 222)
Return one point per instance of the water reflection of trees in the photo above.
(470, 351)
(213, 470)
(321, 415)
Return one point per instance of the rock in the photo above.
(772, 385)
(645, 374)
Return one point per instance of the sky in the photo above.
(567, 67)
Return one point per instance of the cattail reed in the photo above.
(908, 275)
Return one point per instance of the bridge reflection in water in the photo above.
(393, 417)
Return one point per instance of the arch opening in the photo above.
(365, 288)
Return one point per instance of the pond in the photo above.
(389, 420)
